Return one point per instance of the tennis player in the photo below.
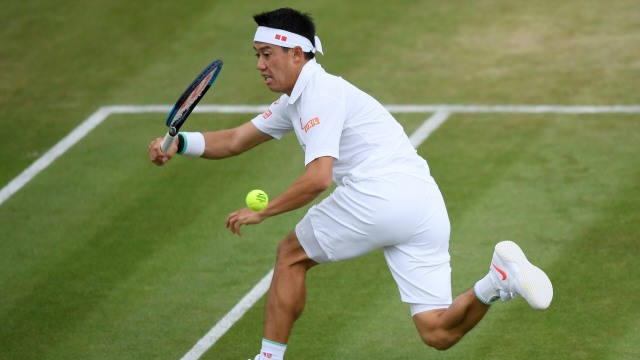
(385, 197)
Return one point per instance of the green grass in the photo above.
(90, 266)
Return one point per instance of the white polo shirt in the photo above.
(331, 117)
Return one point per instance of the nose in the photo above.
(260, 64)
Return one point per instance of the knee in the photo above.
(285, 253)
(433, 333)
(440, 340)
(291, 254)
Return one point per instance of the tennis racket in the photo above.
(188, 101)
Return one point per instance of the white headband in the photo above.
(286, 39)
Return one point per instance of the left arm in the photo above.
(316, 179)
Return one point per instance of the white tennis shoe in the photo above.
(513, 274)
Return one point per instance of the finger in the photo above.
(230, 219)
(235, 226)
(231, 223)
(156, 154)
(151, 151)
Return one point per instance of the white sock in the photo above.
(272, 350)
(486, 291)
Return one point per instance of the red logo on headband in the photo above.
(281, 37)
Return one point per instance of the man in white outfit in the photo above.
(385, 196)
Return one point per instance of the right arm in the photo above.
(230, 142)
(218, 144)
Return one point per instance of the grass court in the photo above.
(106, 256)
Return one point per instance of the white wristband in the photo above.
(192, 144)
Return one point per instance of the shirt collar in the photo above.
(310, 68)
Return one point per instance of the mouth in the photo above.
(267, 78)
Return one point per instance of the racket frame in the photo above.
(188, 101)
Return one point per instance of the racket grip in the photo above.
(167, 142)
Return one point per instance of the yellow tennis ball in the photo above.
(257, 200)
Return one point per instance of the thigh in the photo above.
(420, 266)
(339, 227)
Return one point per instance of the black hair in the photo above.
(290, 20)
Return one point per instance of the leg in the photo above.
(510, 273)
(287, 294)
(443, 328)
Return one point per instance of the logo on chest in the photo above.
(311, 123)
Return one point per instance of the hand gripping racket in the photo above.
(188, 101)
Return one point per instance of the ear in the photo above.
(297, 54)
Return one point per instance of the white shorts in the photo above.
(401, 214)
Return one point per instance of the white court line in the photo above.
(529, 109)
(429, 126)
(47, 158)
(441, 113)
(231, 318)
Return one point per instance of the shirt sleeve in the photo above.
(322, 123)
(273, 121)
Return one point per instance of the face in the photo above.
(279, 68)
